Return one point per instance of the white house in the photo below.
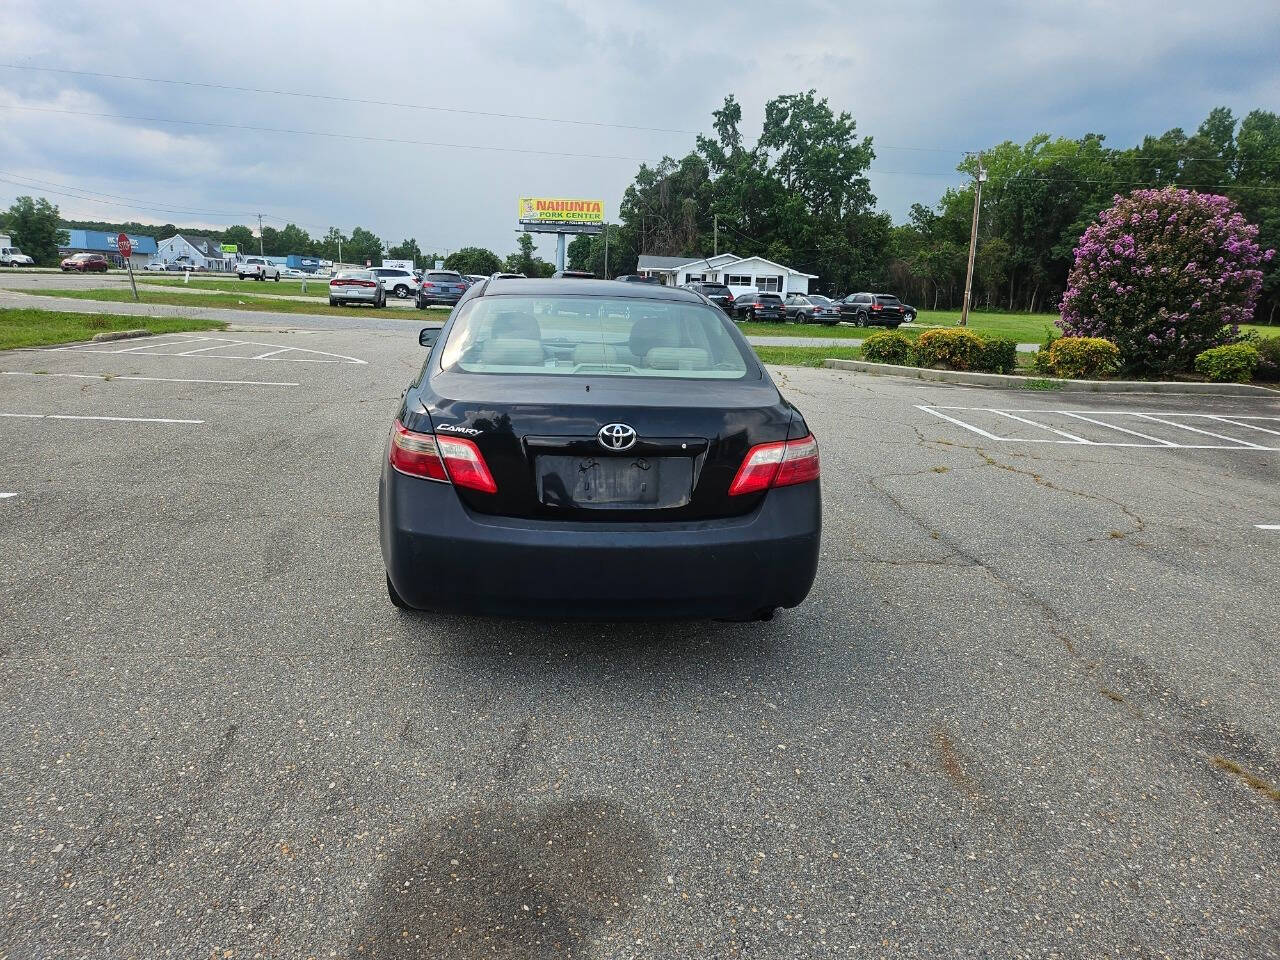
(200, 250)
(739, 274)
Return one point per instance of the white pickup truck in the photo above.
(259, 268)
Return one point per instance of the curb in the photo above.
(1050, 384)
(120, 335)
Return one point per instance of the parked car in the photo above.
(638, 278)
(440, 288)
(356, 286)
(156, 266)
(86, 263)
(257, 268)
(13, 257)
(717, 293)
(574, 275)
(507, 276)
(682, 484)
(401, 283)
(753, 305)
(474, 278)
(872, 309)
(811, 308)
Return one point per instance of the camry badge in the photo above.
(617, 436)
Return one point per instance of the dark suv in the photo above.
(717, 293)
(872, 309)
(440, 288)
(758, 306)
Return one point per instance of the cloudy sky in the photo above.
(926, 79)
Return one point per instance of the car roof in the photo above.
(617, 289)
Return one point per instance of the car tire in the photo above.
(861, 320)
(277, 278)
(401, 291)
(394, 596)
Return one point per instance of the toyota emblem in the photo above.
(617, 436)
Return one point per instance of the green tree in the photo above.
(271, 245)
(293, 239)
(242, 237)
(34, 226)
(525, 261)
(332, 246)
(474, 260)
(364, 246)
(407, 250)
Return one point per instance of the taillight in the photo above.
(443, 459)
(426, 285)
(780, 464)
(876, 306)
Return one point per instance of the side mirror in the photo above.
(427, 336)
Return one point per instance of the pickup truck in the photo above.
(13, 257)
(259, 268)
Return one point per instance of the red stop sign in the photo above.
(123, 246)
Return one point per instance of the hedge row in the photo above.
(955, 349)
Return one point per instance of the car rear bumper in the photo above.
(442, 556)
(439, 299)
(360, 294)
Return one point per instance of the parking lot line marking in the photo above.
(968, 426)
(1112, 426)
(6, 496)
(275, 352)
(1062, 433)
(1207, 433)
(71, 416)
(1247, 426)
(106, 376)
(1260, 526)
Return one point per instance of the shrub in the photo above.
(999, 355)
(888, 347)
(1233, 363)
(1164, 274)
(1268, 358)
(954, 348)
(1083, 358)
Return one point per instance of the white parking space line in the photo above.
(1247, 426)
(1260, 526)
(1062, 433)
(155, 347)
(6, 496)
(1207, 433)
(957, 416)
(1112, 426)
(70, 416)
(111, 376)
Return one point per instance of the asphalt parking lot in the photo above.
(1030, 708)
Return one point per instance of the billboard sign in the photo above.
(230, 248)
(536, 210)
(399, 264)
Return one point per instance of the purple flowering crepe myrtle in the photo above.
(1164, 274)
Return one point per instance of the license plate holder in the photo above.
(614, 482)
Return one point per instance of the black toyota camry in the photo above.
(601, 449)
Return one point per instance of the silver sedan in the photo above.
(357, 286)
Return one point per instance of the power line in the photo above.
(110, 203)
(323, 133)
(97, 195)
(333, 98)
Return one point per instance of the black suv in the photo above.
(717, 293)
(758, 306)
(872, 309)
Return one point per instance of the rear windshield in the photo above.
(445, 277)
(594, 336)
(768, 296)
(887, 301)
(715, 290)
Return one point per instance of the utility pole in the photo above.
(606, 250)
(973, 240)
(715, 244)
(260, 253)
(340, 247)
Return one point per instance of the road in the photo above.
(1017, 717)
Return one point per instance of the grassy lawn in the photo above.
(237, 302)
(315, 288)
(37, 328)
(805, 356)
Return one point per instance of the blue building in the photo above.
(96, 241)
